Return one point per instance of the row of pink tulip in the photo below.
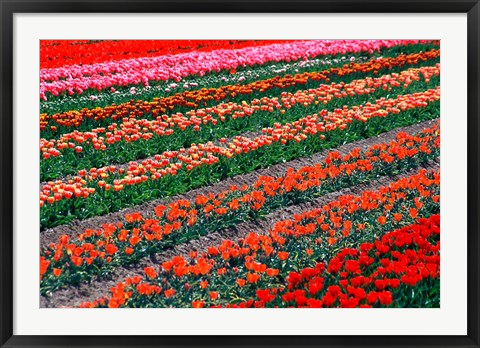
(78, 78)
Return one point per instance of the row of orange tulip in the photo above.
(233, 273)
(137, 129)
(117, 177)
(120, 243)
(194, 99)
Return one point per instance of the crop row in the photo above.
(400, 270)
(62, 122)
(179, 171)
(351, 235)
(134, 139)
(77, 79)
(97, 252)
(117, 95)
(235, 93)
(58, 53)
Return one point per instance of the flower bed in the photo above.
(273, 269)
(226, 136)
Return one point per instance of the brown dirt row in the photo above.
(78, 226)
(74, 295)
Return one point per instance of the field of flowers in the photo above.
(247, 173)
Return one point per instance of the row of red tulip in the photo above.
(60, 53)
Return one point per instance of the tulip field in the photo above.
(239, 173)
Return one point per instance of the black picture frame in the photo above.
(11, 7)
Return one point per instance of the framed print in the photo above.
(232, 173)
